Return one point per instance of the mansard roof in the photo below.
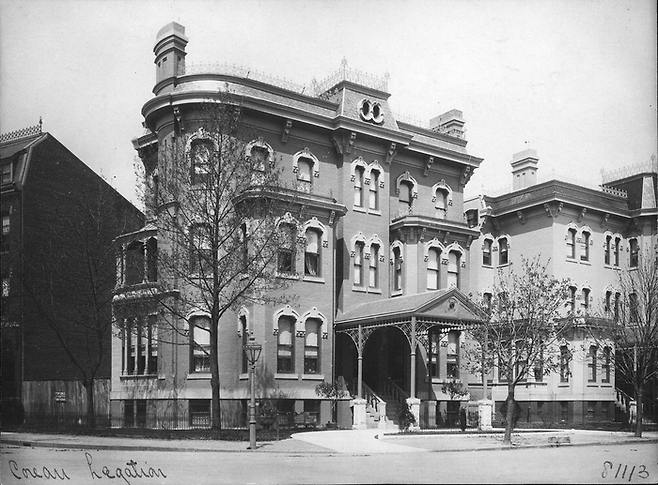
(441, 306)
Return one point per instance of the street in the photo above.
(625, 463)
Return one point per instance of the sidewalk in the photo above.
(354, 442)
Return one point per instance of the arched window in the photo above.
(635, 253)
(584, 246)
(452, 355)
(608, 301)
(373, 190)
(245, 339)
(486, 252)
(607, 248)
(134, 256)
(453, 269)
(605, 367)
(373, 274)
(285, 345)
(591, 364)
(200, 157)
(200, 344)
(617, 248)
(358, 263)
(152, 260)
(503, 251)
(312, 261)
(565, 358)
(397, 269)
(441, 203)
(617, 305)
(286, 250)
(571, 243)
(585, 292)
(312, 346)
(405, 196)
(200, 249)
(358, 185)
(259, 157)
(572, 298)
(305, 170)
(433, 269)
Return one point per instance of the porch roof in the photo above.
(446, 305)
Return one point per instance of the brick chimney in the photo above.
(524, 169)
(450, 123)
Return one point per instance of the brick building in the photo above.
(44, 189)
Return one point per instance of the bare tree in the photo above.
(630, 327)
(69, 276)
(220, 203)
(521, 326)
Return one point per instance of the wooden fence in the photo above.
(64, 397)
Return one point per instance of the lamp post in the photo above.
(252, 350)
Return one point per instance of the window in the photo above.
(397, 269)
(433, 272)
(584, 246)
(503, 252)
(585, 292)
(134, 272)
(312, 253)
(358, 263)
(373, 276)
(591, 364)
(152, 260)
(571, 244)
(607, 247)
(200, 344)
(434, 354)
(312, 346)
(453, 269)
(591, 407)
(199, 413)
(617, 304)
(565, 358)
(572, 298)
(635, 252)
(140, 346)
(244, 245)
(285, 341)
(286, 251)
(487, 299)
(486, 252)
(405, 195)
(633, 308)
(373, 190)
(6, 228)
(358, 186)
(201, 159)
(259, 155)
(7, 173)
(539, 370)
(608, 301)
(200, 249)
(441, 203)
(617, 247)
(605, 368)
(305, 170)
(452, 355)
(244, 330)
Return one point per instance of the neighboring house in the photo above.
(589, 234)
(43, 184)
(384, 261)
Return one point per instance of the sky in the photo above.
(574, 80)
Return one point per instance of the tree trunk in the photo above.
(509, 424)
(638, 411)
(91, 412)
(214, 380)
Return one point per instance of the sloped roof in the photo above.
(446, 305)
(10, 148)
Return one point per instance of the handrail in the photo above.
(396, 391)
(371, 397)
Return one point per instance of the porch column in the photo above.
(359, 391)
(413, 358)
(360, 416)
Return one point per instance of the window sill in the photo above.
(571, 260)
(586, 263)
(198, 376)
(357, 208)
(503, 265)
(592, 384)
(606, 384)
(487, 266)
(396, 293)
(359, 289)
(287, 276)
(376, 291)
(313, 279)
(375, 212)
(313, 377)
(130, 377)
(563, 384)
(243, 377)
(290, 377)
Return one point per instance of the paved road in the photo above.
(613, 463)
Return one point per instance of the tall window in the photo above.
(7, 176)
(200, 249)
(259, 157)
(358, 263)
(608, 301)
(373, 190)
(486, 252)
(286, 250)
(244, 245)
(312, 253)
(584, 246)
(405, 197)
(312, 346)
(617, 248)
(585, 292)
(134, 272)
(200, 344)
(152, 260)
(373, 274)
(434, 340)
(441, 203)
(617, 304)
(565, 357)
(452, 355)
(140, 346)
(285, 345)
(433, 272)
(572, 298)
(607, 248)
(6, 228)
(397, 269)
(358, 185)
(503, 251)
(605, 368)
(152, 345)
(305, 171)
(571, 243)
(201, 158)
(591, 364)
(635, 252)
(245, 339)
(453, 268)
